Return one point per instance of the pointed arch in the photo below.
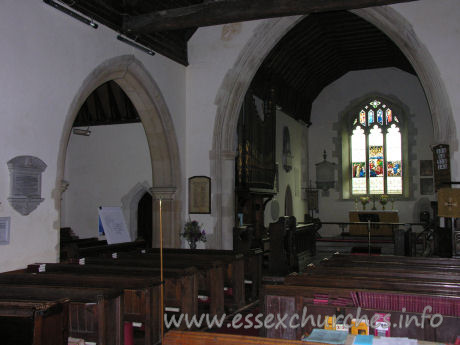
(237, 80)
(130, 74)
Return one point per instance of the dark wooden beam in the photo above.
(214, 12)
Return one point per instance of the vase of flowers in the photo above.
(364, 200)
(383, 200)
(193, 233)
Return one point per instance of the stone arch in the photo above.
(130, 74)
(130, 204)
(237, 80)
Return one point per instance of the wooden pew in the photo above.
(94, 314)
(181, 287)
(402, 284)
(385, 284)
(439, 264)
(395, 258)
(140, 295)
(109, 249)
(391, 272)
(202, 338)
(289, 300)
(209, 274)
(291, 245)
(234, 262)
(34, 323)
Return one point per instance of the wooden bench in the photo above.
(209, 275)
(440, 264)
(234, 271)
(94, 314)
(108, 249)
(140, 295)
(181, 287)
(375, 284)
(290, 300)
(202, 338)
(34, 323)
(253, 261)
(291, 245)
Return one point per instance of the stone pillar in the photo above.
(223, 198)
(170, 225)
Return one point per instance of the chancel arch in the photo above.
(144, 93)
(231, 94)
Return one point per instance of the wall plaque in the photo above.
(441, 160)
(5, 230)
(25, 183)
(199, 194)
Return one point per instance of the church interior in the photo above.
(284, 167)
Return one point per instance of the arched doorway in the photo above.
(146, 97)
(238, 79)
(144, 218)
(288, 205)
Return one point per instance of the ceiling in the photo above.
(112, 13)
(316, 52)
(107, 105)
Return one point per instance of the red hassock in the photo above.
(129, 337)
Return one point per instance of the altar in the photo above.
(382, 216)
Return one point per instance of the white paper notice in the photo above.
(114, 225)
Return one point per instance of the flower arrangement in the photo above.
(364, 200)
(383, 200)
(193, 233)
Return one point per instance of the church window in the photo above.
(376, 151)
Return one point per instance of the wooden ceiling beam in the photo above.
(214, 12)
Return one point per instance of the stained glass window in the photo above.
(370, 117)
(376, 151)
(389, 116)
(394, 160)
(380, 116)
(358, 161)
(362, 117)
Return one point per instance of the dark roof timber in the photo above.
(320, 49)
(216, 12)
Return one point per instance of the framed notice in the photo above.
(441, 160)
(199, 194)
(426, 168)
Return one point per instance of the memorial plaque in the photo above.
(199, 194)
(25, 183)
(4, 230)
(441, 160)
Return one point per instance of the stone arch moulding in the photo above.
(130, 204)
(148, 100)
(237, 80)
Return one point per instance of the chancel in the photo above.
(263, 158)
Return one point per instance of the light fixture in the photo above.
(135, 45)
(81, 131)
(71, 13)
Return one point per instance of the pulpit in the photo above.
(382, 216)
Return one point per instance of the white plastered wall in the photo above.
(406, 23)
(212, 51)
(45, 58)
(323, 134)
(101, 169)
(293, 178)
